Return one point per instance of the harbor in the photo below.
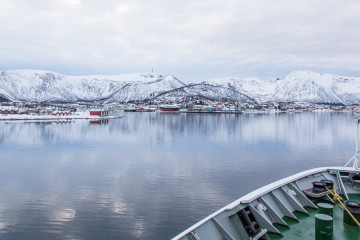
(153, 175)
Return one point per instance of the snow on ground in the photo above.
(77, 115)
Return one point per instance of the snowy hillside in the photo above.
(42, 86)
(255, 88)
(300, 86)
(208, 91)
(306, 86)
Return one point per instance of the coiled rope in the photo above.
(336, 198)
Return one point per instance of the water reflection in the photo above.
(151, 175)
(101, 121)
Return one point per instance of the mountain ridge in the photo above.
(298, 86)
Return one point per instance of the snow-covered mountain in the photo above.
(306, 86)
(303, 86)
(299, 86)
(43, 86)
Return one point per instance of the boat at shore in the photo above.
(320, 203)
(169, 108)
(131, 108)
(145, 109)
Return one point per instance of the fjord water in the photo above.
(152, 175)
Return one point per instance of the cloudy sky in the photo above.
(191, 39)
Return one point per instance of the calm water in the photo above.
(152, 175)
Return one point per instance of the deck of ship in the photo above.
(305, 228)
(282, 210)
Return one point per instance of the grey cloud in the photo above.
(191, 39)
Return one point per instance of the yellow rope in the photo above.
(337, 198)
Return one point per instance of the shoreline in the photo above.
(78, 116)
(27, 117)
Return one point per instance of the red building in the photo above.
(9, 110)
(99, 112)
(14, 111)
(62, 113)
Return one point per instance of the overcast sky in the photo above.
(191, 39)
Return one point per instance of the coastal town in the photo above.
(20, 110)
(35, 111)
